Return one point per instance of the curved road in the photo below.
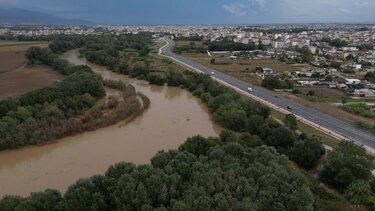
(331, 123)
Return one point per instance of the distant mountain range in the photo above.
(26, 17)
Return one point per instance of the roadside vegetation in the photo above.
(359, 108)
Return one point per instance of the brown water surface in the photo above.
(173, 116)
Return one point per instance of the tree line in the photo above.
(48, 113)
(203, 174)
(64, 108)
(253, 121)
(243, 169)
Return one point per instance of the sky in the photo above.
(204, 11)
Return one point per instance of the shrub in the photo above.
(359, 108)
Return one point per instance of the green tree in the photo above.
(345, 164)
(10, 203)
(212, 61)
(282, 139)
(48, 200)
(233, 118)
(370, 76)
(272, 83)
(84, 195)
(308, 152)
(291, 122)
(344, 99)
(174, 78)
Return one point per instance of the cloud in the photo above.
(243, 7)
(236, 8)
(260, 3)
(343, 10)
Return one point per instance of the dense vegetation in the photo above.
(360, 108)
(191, 48)
(64, 108)
(204, 174)
(346, 164)
(231, 172)
(335, 42)
(365, 125)
(275, 82)
(230, 46)
(370, 76)
(45, 114)
(106, 51)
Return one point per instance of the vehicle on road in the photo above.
(289, 108)
(249, 89)
(212, 73)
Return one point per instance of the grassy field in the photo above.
(160, 64)
(15, 78)
(325, 107)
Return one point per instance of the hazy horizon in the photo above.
(194, 12)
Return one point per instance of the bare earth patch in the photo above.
(12, 54)
(20, 81)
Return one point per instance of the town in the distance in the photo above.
(187, 117)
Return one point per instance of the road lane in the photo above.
(338, 126)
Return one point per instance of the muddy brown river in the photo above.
(173, 116)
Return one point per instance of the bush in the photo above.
(174, 78)
(360, 108)
(345, 164)
(313, 98)
(290, 121)
(282, 139)
(139, 69)
(156, 79)
(308, 152)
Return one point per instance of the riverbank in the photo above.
(174, 115)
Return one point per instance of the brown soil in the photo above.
(20, 81)
(241, 65)
(12, 54)
(322, 92)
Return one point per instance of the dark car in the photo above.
(289, 108)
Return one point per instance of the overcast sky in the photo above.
(204, 11)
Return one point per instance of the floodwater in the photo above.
(173, 116)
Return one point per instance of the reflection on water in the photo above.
(174, 115)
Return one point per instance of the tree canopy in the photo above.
(345, 164)
(204, 174)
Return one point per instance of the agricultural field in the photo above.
(242, 69)
(20, 81)
(12, 54)
(15, 77)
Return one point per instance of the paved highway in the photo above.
(331, 123)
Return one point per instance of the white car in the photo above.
(249, 89)
(212, 73)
